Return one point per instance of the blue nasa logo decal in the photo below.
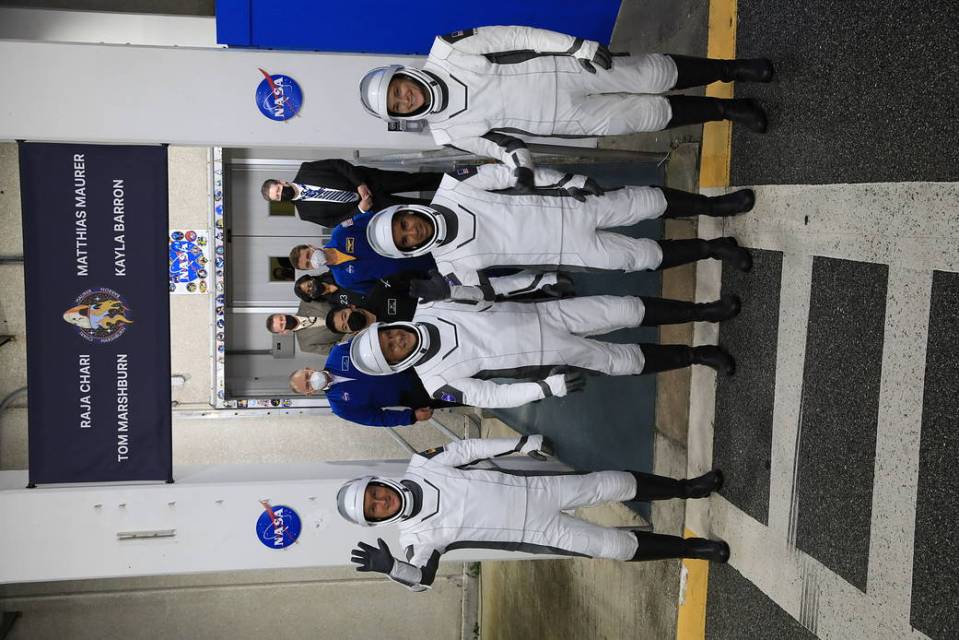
(278, 97)
(278, 526)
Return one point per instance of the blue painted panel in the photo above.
(233, 24)
(376, 26)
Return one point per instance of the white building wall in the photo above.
(319, 602)
(57, 25)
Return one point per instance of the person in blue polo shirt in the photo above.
(351, 259)
(374, 401)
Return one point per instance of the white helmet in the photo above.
(349, 500)
(367, 356)
(379, 231)
(375, 85)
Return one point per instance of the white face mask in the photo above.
(317, 260)
(317, 381)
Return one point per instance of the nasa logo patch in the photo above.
(99, 315)
(278, 97)
(278, 526)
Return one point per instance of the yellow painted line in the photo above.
(691, 620)
(717, 136)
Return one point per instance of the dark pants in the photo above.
(384, 184)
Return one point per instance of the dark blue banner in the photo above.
(97, 311)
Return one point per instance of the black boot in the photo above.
(680, 204)
(660, 311)
(655, 546)
(728, 250)
(703, 549)
(653, 487)
(666, 357)
(697, 72)
(702, 486)
(677, 252)
(695, 110)
(714, 358)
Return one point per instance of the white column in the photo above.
(178, 95)
(70, 532)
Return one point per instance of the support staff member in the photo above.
(374, 401)
(328, 192)
(308, 325)
(351, 260)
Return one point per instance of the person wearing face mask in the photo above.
(323, 287)
(480, 88)
(346, 320)
(312, 335)
(373, 401)
(350, 259)
(327, 192)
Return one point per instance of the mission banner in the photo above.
(98, 312)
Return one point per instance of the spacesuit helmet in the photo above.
(349, 501)
(367, 356)
(375, 85)
(379, 232)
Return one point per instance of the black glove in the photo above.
(590, 188)
(603, 57)
(435, 287)
(563, 288)
(574, 379)
(369, 558)
(524, 180)
(545, 450)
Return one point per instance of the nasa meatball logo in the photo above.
(278, 526)
(278, 97)
(99, 315)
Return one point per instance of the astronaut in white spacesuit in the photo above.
(440, 506)
(457, 349)
(472, 224)
(479, 86)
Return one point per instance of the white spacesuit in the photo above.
(476, 225)
(442, 506)
(460, 348)
(482, 84)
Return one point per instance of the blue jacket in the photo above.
(361, 274)
(362, 399)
